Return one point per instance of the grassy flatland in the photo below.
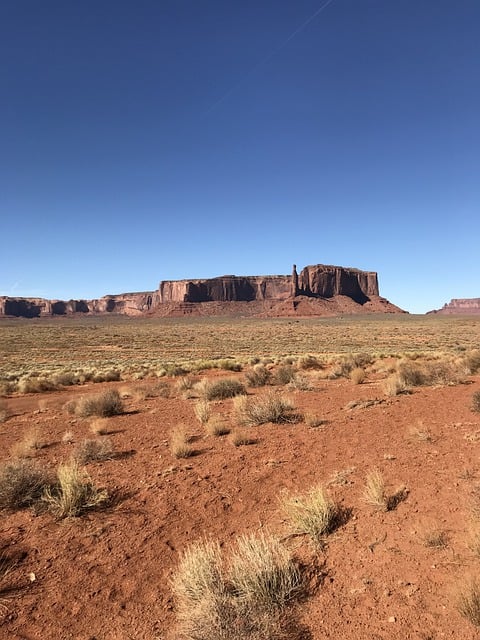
(47, 345)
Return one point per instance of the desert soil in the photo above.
(105, 575)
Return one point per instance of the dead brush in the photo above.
(476, 402)
(22, 483)
(180, 444)
(300, 382)
(259, 376)
(99, 426)
(73, 493)
(29, 445)
(4, 411)
(144, 392)
(394, 385)
(375, 493)
(357, 375)
(103, 405)
(223, 389)
(241, 437)
(262, 572)
(432, 534)
(420, 433)
(313, 513)
(468, 599)
(313, 420)
(93, 451)
(270, 407)
(217, 427)
(202, 411)
(284, 374)
(185, 385)
(244, 596)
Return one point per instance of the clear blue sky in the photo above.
(162, 139)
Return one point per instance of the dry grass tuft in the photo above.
(313, 513)
(375, 492)
(180, 443)
(68, 437)
(240, 437)
(394, 386)
(270, 407)
(4, 412)
(243, 599)
(202, 411)
(420, 434)
(103, 405)
(376, 495)
(73, 493)
(357, 375)
(313, 420)
(262, 572)
(432, 535)
(29, 445)
(217, 427)
(476, 402)
(468, 601)
(93, 451)
(21, 484)
(99, 426)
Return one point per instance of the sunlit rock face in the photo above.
(313, 282)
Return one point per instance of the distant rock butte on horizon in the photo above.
(318, 290)
(459, 306)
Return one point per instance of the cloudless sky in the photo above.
(165, 139)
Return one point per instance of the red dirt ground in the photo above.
(105, 575)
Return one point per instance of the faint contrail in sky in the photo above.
(268, 57)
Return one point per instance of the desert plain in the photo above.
(378, 415)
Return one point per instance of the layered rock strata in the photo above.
(264, 295)
(461, 306)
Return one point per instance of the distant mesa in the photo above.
(318, 290)
(460, 306)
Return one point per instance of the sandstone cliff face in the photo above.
(226, 289)
(326, 281)
(314, 282)
(460, 306)
(126, 303)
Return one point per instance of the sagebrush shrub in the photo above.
(270, 407)
(104, 405)
(223, 389)
(93, 450)
(21, 483)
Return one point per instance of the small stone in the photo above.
(392, 619)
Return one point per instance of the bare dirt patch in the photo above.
(107, 573)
